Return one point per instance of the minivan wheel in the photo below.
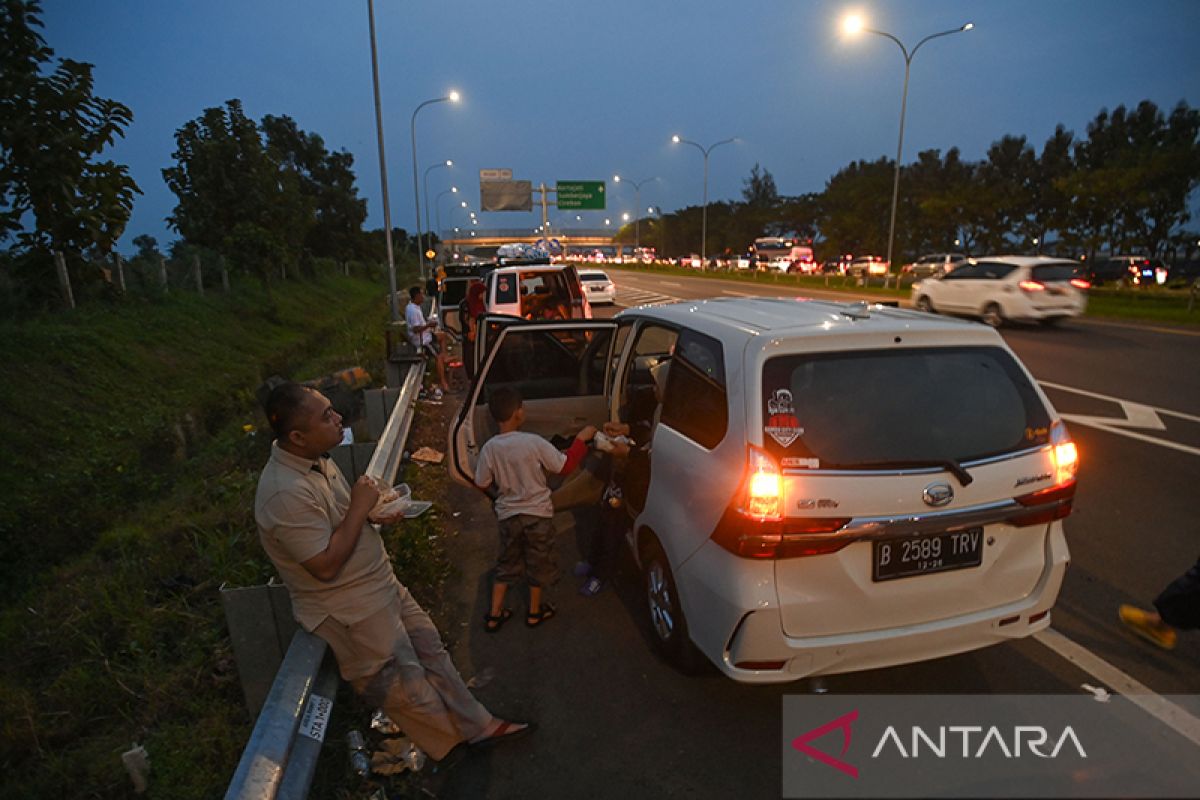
(993, 316)
(923, 304)
(668, 628)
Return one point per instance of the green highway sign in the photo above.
(580, 194)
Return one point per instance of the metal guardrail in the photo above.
(281, 755)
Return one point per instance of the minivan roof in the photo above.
(754, 316)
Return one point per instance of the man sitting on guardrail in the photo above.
(314, 527)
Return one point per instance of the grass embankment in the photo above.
(129, 484)
(1156, 304)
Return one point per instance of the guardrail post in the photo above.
(120, 271)
(224, 276)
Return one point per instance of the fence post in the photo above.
(224, 276)
(120, 272)
(199, 276)
(283, 270)
(162, 273)
(64, 280)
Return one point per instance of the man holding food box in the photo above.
(317, 531)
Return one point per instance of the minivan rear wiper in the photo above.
(948, 464)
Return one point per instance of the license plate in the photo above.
(924, 555)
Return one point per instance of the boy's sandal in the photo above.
(532, 620)
(491, 624)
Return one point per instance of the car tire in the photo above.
(664, 613)
(923, 304)
(1052, 322)
(992, 315)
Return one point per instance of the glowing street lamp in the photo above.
(637, 202)
(453, 97)
(704, 214)
(437, 207)
(446, 163)
(853, 25)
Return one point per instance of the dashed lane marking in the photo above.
(639, 297)
(1138, 693)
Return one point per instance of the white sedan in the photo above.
(598, 287)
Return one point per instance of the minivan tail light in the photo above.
(762, 496)
(1080, 283)
(1054, 502)
(1032, 286)
(754, 526)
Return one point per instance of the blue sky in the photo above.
(583, 89)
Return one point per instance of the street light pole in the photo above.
(425, 179)
(437, 207)
(393, 303)
(853, 25)
(450, 98)
(704, 214)
(637, 204)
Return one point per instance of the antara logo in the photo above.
(843, 722)
(941, 742)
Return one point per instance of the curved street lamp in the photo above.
(453, 97)
(637, 203)
(853, 25)
(437, 207)
(704, 214)
(425, 196)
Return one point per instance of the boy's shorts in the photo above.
(431, 349)
(527, 548)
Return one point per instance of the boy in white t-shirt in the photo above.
(516, 463)
(425, 337)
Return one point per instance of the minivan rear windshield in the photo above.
(593, 276)
(895, 407)
(1055, 272)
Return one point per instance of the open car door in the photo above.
(560, 368)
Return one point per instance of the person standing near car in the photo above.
(469, 312)
(421, 335)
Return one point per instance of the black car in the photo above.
(1128, 270)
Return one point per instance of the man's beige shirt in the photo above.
(298, 505)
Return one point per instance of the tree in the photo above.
(53, 130)
(855, 207)
(327, 180)
(233, 199)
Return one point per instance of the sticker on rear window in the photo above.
(782, 424)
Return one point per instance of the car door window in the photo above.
(550, 363)
(964, 273)
(694, 402)
(994, 270)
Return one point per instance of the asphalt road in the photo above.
(617, 722)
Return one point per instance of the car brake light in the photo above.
(1031, 286)
(1054, 502)
(754, 525)
(1080, 283)
(763, 498)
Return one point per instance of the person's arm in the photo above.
(326, 565)
(578, 449)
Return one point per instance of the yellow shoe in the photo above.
(1141, 623)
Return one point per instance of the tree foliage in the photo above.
(268, 198)
(55, 191)
(1127, 186)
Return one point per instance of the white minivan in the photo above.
(800, 510)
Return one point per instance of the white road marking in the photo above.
(740, 294)
(1178, 331)
(1166, 712)
(1137, 415)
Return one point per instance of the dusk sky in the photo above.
(583, 89)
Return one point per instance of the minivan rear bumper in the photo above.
(754, 630)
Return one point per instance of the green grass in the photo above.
(114, 632)
(1160, 305)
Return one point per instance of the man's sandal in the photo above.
(504, 732)
(491, 624)
(532, 620)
